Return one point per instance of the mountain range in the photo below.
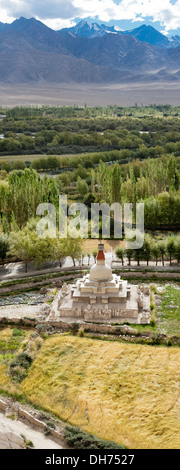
(86, 53)
(144, 33)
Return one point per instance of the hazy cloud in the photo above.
(58, 13)
(41, 8)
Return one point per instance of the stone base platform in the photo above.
(102, 296)
(64, 308)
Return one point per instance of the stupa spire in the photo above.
(101, 255)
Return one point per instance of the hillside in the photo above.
(122, 392)
(149, 34)
(118, 52)
(31, 52)
(22, 63)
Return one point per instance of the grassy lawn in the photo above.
(168, 314)
(122, 392)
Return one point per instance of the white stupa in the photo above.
(101, 271)
(102, 295)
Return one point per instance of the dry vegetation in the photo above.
(125, 393)
(121, 392)
(91, 244)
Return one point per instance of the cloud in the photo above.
(58, 23)
(44, 9)
(59, 13)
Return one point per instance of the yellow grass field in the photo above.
(121, 392)
(91, 244)
(31, 158)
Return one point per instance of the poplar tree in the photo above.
(4, 247)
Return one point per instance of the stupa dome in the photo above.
(100, 271)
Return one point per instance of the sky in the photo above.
(163, 15)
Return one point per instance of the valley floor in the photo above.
(69, 94)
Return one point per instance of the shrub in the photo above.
(79, 439)
(50, 424)
(152, 308)
(17, 332)
(74, 327)
(154, 288)
(153, 318)
(81, 333)
(19, 366)
(156, 340)
(47, 431)
(29, 444)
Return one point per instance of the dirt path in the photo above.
(39, 440)
(19, 311)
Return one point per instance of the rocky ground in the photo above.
(19, 311)
(23, 426)
(11, 432)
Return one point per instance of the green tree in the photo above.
(120, 253)
(28, 247)
(130, 254)
(4, 247)
(21, 246)
(139, 255)
(115, 178)
(162, 250)
(93, 180)
(74, 248)
(155, 251)
(177, 249)
(19, 165)
(63, 179)
(171, 173)
(25, 191)
(151, 213)
(89, 199)
(94, 253)
(147, 250)
(59, 250)
(88, 254)
(171, 247)
(82, 186)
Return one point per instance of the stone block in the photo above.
(105, 300)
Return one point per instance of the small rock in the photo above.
(57, 283)
(127, 329)
(171, 306)
(45, 310)
(43, 290)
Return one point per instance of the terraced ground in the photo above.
(122, 392)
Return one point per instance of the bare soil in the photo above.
(78, 94)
